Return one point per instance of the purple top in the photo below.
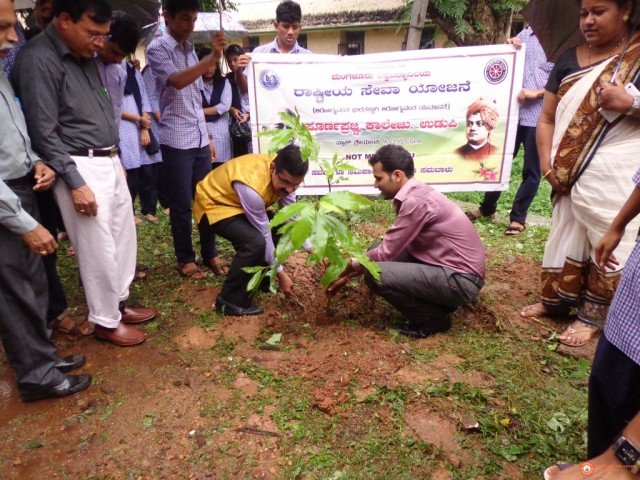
(182, 123)
(623, 320)
(113, 78)
(256, 212)
(432, 229)
(272, 47)
(536, 74)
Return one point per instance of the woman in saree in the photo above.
(589, 163)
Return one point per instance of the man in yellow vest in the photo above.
(233, 200)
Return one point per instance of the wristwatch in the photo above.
(634, 106)
(627, 453)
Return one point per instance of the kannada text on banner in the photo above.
(417, 99)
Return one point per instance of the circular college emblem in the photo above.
(269, 80)
(496, 71)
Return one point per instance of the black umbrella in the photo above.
(557, 24)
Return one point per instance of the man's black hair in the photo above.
(394, 157)
(99, 10)
(290, 160)
(173, 7)
(289, 12)
(125, 32)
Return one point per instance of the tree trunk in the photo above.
(416, 24)
(486, 26)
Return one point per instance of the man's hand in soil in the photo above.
(286, 284)
(342, 280)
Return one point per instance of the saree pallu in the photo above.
(601, 182)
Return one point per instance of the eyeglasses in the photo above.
(94, 37)
(100, 38)
(286, 183)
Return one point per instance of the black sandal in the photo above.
(515, 229)
(472, 216)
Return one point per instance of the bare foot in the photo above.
(538, 309)
(533, 311)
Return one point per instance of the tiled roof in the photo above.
(332, 20)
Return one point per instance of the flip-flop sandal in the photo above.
(193, 273)
(514, 229)
(570, 333)
(65, 324)
(218, 268)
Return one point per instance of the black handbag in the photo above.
(154, 145)
(240, 130)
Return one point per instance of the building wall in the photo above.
(323, 42)
(377, 40)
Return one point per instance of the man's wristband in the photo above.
(547, 174)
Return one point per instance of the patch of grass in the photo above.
(34, 443)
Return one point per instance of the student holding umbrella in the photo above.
(589, 163)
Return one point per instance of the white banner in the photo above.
(417, 99)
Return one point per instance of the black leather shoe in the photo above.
(227, 308)
(72, 362)
(72, 384)
(424, 329)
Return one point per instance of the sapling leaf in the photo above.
(334, 271)
(253, 269)
(346, 166)
(319, 236)
(332, 252)
(288, 212)
(275, 338)
(346, 200)
(330, 207)
(372, 267)
(300, 231)
(338, 230)
(285, 247)
(256, 279)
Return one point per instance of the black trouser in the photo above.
(249, 245)
(143, 182)
(184, 169)
(614, 396)
(52, 221)
(525, 136)
(23, 304)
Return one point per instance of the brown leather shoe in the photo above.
(131, 316)
(123, 336)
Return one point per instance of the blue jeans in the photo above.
(530, 179)
(185, 168)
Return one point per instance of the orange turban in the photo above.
(487, 110)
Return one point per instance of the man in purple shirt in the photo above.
(187, 150)
(431, 259)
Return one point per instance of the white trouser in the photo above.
(106, 244)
